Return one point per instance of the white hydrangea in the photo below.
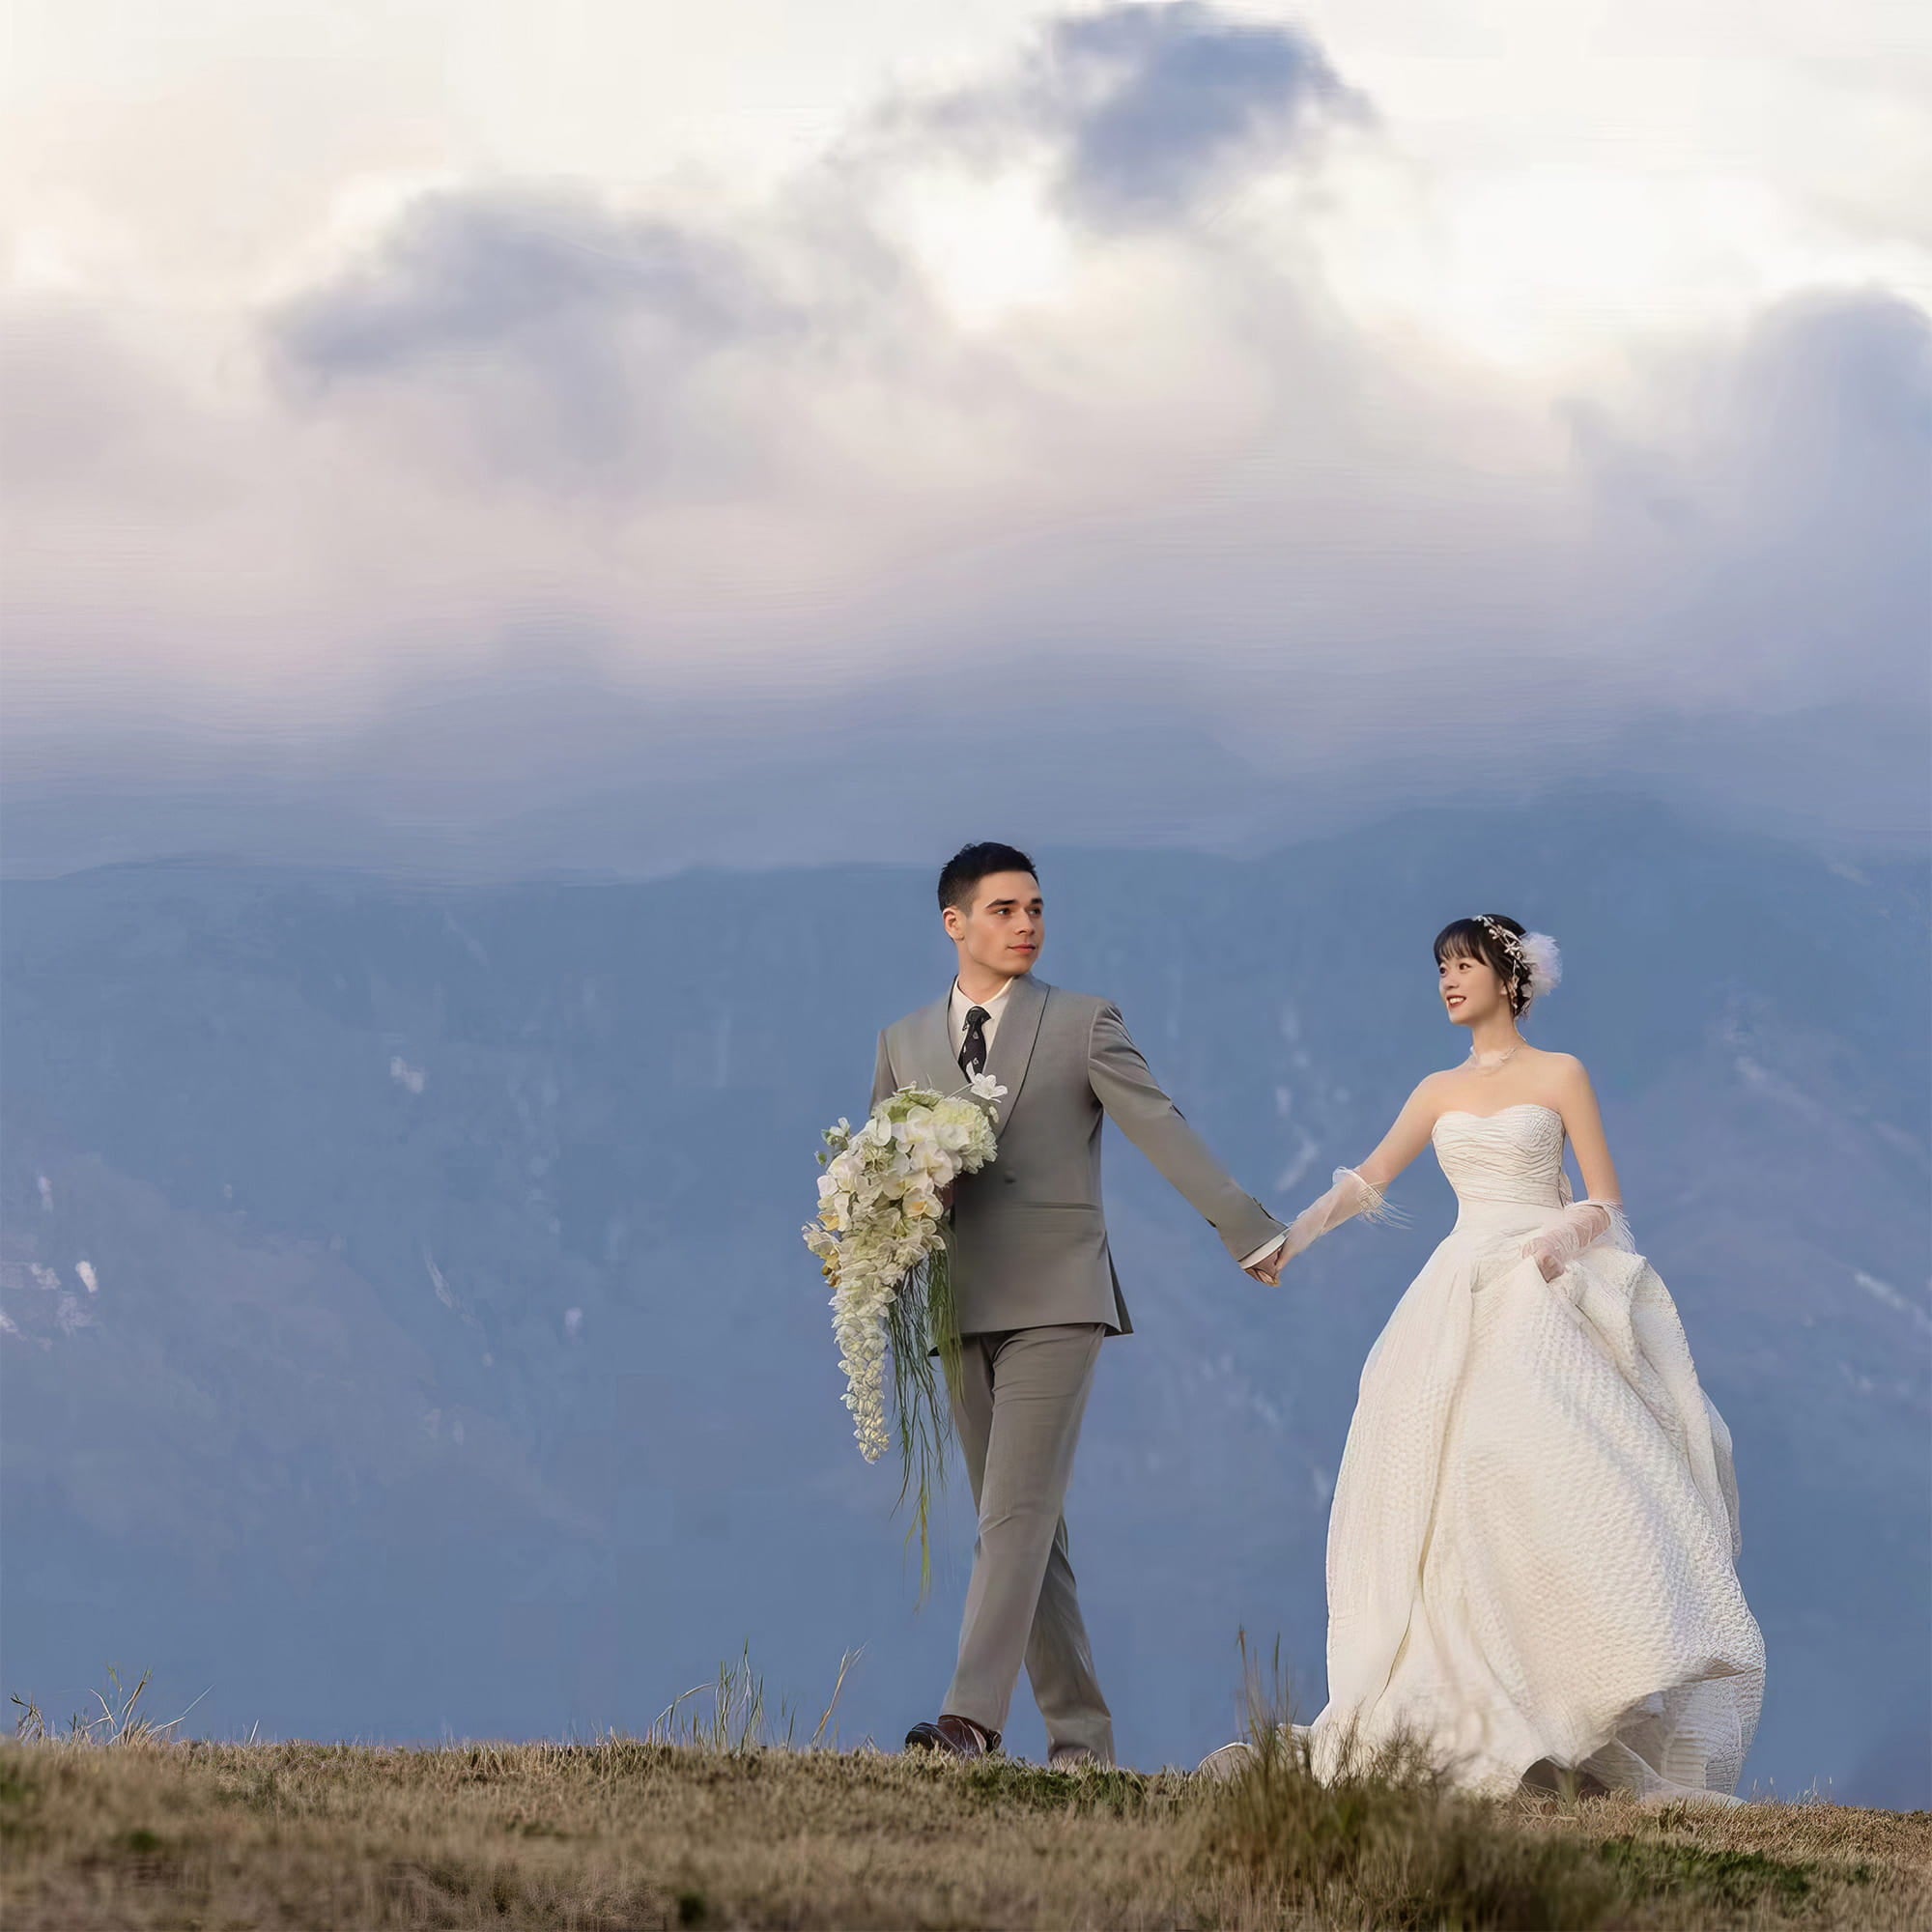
(880, 1210)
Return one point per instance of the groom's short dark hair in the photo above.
(959, 877)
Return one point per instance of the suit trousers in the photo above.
(1017, 1406)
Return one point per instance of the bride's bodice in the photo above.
(1511, 1158)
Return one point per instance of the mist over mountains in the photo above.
(407, 1332)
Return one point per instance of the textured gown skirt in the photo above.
(1532, 1547)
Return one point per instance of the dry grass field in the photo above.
(635, 1835)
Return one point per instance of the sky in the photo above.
(605, 434)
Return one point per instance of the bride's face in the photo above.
(1471, 992)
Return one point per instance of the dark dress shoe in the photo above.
(959, 1737)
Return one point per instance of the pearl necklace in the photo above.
(1489, 1066)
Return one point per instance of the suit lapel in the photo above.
(1012, 1044)
(933, 1047)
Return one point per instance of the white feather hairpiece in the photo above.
(1546, 963)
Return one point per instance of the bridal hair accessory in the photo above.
(1535, 956)
(1546, 963)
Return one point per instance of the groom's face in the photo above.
(1005, 926)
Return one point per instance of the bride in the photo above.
(1531, 1547)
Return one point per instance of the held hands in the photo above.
(1347, 1195)
(1267, 1270)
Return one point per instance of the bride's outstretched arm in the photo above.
(1356, 1190)
(1406, 1139)
(1601, 1212)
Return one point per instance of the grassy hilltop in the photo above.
(631, 1837)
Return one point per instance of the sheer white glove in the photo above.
(1349, 1196)
(1581, 1225)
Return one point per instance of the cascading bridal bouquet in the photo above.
(880, 1239)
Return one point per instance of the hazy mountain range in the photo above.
(406, 1328)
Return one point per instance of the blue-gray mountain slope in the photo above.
(446, 1357)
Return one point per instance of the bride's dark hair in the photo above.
(1480, 938)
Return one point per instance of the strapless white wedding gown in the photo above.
(1532, 1543)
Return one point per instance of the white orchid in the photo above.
(880, 1226)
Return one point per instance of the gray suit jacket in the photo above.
(1027, 1235)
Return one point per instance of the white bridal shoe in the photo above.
(1227, 1762)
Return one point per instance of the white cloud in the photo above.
(473, 464)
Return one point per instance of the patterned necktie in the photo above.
(973, 1053)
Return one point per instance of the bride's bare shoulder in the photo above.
(1557, 1063)
(1563, 1073)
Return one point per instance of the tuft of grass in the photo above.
(121, 1721)
(736, 1720)
(1391, 1843)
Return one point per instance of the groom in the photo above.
(1035, 1285)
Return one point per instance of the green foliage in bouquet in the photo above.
(921, 1327)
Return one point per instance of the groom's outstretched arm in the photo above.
(1134, 1101)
